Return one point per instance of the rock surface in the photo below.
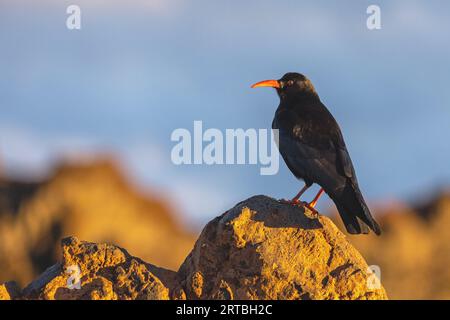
(103, 272)
(260, 249)
(9, 291)
(95, 201)
(263, 249)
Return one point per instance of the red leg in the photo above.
(299, 194)
(313, 203)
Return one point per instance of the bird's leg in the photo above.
(295, 199)
(313, 203)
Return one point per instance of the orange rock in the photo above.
(9, 291)
(260, 249)
(263, 249)
(101, 272)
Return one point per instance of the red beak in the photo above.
(267, 83)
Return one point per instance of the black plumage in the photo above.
(312, 145)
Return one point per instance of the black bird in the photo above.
(312, 145)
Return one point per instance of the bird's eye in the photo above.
(290, 83)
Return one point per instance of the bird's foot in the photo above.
(298, 203)
(310, 207)
(295, 202)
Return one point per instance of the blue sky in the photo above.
(139, 69)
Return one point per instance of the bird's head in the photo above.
(291, 83)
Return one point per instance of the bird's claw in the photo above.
(298, 203)
(293, 202)
(315, 213)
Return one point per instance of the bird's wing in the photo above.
(311, 138)
(313, 144)
(311, 164)
(343, 157)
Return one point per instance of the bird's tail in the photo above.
(354, 211)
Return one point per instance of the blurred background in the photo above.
(86, 117)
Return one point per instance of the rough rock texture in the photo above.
(9, 291)
(94, 201)
(263, 249)
(260, 249)
(104, 272)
